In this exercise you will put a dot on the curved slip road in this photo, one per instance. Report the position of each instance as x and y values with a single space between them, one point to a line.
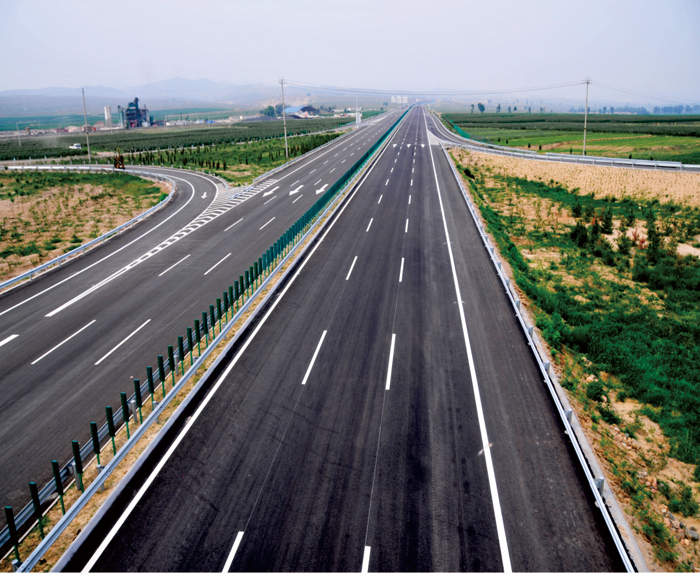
73 339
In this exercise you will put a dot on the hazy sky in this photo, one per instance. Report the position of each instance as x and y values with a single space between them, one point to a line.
649 46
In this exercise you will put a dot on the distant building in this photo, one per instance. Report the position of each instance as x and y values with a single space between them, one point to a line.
301 112
134 117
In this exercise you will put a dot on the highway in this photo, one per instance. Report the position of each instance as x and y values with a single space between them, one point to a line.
72 340
383 413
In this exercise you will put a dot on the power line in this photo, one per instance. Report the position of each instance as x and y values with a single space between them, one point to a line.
374 91
640 93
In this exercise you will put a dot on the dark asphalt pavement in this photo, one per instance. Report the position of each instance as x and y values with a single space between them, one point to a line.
108 335
365 424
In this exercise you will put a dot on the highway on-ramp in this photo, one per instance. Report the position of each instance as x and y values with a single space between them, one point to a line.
383 413
73 339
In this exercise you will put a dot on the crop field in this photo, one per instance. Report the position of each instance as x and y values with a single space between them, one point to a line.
237 163
43 215
608 264
675 138
159 138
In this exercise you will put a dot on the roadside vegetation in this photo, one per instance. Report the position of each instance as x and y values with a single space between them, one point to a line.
43 215
152 139
237 163
670 138
611 273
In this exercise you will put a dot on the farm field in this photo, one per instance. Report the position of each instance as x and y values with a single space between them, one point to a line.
607 261
43 215
675 138
159 138
237 163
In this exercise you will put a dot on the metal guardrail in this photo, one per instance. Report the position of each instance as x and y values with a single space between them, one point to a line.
595 485
82 248
27 513
566 158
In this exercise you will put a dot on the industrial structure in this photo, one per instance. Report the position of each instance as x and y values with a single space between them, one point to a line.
134 117
108 116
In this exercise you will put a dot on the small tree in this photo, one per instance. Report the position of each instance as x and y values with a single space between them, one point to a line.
482 107
472 108
608 221
498 109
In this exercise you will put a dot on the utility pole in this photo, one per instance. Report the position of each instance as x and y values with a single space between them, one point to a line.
18 134
585 116
86 126
284 121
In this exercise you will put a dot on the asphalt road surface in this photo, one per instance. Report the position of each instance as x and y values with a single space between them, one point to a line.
72 340
385 414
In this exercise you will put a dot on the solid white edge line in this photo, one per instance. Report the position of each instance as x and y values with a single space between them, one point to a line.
401 272
217 264
232 554
263 227
106 257
64 341
230 226
8 339
391 361
313 359
175 265
347 278
371 219
139 495
124 341
500 526
365 560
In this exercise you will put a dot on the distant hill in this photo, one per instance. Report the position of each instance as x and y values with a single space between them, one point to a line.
165 94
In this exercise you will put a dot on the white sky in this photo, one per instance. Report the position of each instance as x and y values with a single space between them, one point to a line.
650 46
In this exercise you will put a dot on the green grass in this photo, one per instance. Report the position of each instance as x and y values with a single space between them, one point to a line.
160 138
672 138
238 163
634 313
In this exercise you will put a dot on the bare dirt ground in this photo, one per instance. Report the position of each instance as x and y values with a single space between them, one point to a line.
682 188
42 226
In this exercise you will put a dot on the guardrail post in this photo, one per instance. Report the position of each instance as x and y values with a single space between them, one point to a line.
139 402
213 321
10 519
78 465
125 414
600 484
189 344
171 362
198 336
110 428
95 441
181 353
34 491
59 483
569 414
205 328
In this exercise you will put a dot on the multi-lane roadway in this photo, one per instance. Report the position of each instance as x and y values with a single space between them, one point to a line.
71 341
385 413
